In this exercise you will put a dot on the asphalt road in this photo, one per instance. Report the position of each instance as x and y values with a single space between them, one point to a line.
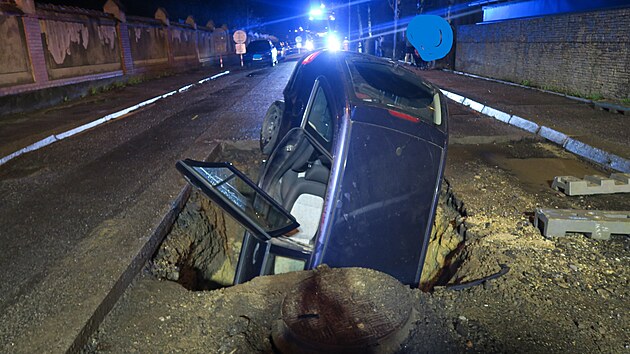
62 203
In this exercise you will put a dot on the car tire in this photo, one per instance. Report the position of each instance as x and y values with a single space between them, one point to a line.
271 127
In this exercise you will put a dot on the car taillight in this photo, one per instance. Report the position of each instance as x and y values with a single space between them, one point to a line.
403 116
310 57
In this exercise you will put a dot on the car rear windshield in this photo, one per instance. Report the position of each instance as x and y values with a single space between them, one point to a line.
258 46
393 87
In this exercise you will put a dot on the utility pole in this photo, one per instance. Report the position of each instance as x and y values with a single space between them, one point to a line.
349 21
395 28
369 14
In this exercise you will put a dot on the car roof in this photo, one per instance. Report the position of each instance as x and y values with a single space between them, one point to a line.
359 70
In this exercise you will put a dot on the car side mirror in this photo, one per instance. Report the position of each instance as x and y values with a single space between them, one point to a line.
437 109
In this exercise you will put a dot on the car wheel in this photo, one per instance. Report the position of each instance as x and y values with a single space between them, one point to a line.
271 127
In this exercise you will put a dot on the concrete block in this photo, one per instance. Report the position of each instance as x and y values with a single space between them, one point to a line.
473 104
524 124
553 135
621 177
495 113
569 185
598 225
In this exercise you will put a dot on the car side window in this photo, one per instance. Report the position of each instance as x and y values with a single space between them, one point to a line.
319 116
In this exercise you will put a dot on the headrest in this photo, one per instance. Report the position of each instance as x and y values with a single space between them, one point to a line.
302 155
318 173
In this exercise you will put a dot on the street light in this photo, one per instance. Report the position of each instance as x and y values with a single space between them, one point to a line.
317 12
332 42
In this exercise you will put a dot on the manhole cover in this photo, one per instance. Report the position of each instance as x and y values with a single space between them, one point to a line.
342 311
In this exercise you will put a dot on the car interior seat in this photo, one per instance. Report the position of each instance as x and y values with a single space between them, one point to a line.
302 190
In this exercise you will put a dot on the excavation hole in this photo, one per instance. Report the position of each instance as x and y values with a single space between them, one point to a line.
201 251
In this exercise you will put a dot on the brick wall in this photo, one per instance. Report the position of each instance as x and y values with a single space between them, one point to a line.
587 54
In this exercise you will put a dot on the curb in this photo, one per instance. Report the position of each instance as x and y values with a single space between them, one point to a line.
54 138
604 106
131 271
553 135
576 147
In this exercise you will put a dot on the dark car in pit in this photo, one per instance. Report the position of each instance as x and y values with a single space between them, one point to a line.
261 52
357 152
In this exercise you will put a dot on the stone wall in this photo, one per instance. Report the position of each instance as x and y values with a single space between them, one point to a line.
586 54
148 43
14 57
77 44
204 43
44 46
184 43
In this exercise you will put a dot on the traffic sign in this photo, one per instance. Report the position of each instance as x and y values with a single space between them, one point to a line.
240 48
240 37
298 39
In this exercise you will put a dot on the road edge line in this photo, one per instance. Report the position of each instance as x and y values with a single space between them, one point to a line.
56 137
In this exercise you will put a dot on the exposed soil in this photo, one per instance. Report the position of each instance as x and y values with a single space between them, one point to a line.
560 295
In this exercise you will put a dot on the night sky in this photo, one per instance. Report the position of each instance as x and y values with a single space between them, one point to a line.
275 16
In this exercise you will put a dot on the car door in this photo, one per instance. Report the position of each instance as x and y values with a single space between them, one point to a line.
259 207
239 196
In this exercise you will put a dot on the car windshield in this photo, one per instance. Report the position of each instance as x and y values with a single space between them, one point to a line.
258 46
393 87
